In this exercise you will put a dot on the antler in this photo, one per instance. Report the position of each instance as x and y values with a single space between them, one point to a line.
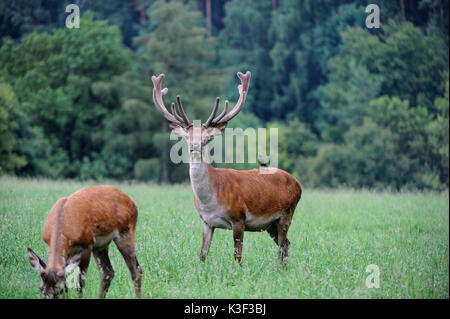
175 114
243 89
183 120
181 110
221 115
157 99
216 107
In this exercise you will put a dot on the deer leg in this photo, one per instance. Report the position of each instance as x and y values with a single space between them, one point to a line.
273 232
283 243
125 244
208 233
84 264
106 270
238 236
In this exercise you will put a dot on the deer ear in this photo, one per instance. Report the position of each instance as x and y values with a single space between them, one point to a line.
216 130
35 261
178 130
73 262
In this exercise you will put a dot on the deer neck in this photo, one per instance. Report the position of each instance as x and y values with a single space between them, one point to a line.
57 253
58 242
200 171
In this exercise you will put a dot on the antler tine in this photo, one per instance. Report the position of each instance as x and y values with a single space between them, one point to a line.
221 115
161 108
214 111
157 99
182 112
243 88
175 114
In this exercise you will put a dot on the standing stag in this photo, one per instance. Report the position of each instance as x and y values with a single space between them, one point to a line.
86 222
227 198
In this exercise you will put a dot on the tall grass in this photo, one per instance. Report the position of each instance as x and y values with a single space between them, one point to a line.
335 235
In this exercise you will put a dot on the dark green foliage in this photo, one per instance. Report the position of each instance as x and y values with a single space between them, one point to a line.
128 133
18 17
245 46
411 63
147 169
379 107
306 35
345 97
9 160
353 106
396 146
126 15
295 141
63 84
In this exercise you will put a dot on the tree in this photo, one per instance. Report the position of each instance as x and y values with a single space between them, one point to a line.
18 17
179 46
9 159
396 146
305 34
345 98
438 139
62 82
410 62
295 142
128 146
244 46
129 16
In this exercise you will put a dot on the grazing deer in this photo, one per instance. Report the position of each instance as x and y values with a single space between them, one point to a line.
85 222
227 198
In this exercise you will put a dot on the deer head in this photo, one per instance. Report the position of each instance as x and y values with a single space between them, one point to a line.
180 124
53 281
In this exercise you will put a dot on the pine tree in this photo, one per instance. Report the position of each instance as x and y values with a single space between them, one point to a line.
179 47
245 45
62 83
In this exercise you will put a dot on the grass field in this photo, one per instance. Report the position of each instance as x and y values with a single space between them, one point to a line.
334 236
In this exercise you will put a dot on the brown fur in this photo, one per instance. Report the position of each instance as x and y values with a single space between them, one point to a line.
73 222
263 195
96 210
242 191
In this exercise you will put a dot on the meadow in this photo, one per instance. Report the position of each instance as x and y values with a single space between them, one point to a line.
335 235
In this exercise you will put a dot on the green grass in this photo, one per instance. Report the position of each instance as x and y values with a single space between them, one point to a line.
335 235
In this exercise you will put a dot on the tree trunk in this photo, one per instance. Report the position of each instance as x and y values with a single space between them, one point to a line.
200 5
143 17
208 15
402 8
274 5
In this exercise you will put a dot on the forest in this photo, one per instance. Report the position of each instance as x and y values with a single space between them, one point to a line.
354 107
